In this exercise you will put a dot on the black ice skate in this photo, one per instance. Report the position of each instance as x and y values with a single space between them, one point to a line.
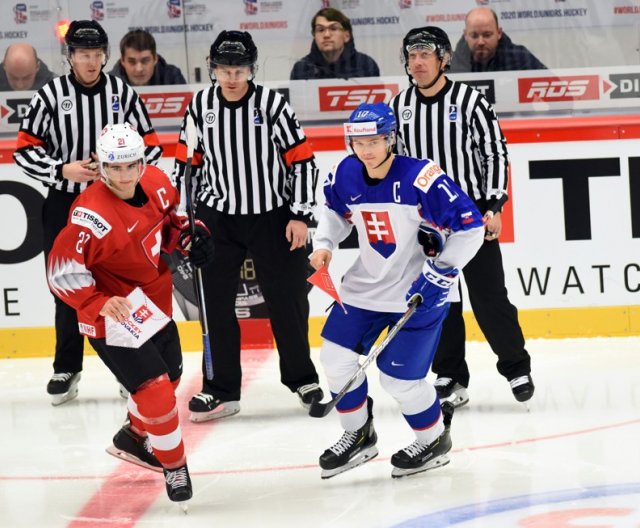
522 388
133 448
419 457
178 484
353 449
205 407
63 386
309 394
450 390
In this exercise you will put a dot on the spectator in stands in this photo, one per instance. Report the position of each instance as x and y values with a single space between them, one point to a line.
21 69
140 65
485 47
333 53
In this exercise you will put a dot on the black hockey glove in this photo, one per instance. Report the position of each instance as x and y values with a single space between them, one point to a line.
431 240
200 247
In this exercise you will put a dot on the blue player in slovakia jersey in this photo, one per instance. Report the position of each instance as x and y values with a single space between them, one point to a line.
399 206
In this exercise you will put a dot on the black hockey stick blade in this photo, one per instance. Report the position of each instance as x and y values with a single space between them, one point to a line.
320 410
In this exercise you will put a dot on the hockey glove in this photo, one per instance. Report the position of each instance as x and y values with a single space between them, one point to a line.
432 285
200 247
431 240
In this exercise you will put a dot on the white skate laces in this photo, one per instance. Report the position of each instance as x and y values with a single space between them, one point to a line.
345 443
516 382
147 446
204 397
415 448
177 478
307 388
62 376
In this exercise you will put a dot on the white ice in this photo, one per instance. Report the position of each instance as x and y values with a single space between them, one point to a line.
572 460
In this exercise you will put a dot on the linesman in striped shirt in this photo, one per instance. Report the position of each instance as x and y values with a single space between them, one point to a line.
254 177
56 146
454 125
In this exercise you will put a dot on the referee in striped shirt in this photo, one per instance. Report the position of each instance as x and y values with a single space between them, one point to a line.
56 146
455 126
254 177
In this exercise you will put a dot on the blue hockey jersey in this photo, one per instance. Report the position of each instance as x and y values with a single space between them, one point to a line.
387 214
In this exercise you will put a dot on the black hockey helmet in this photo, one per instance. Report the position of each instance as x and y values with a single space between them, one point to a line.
429 37
233 48
86 34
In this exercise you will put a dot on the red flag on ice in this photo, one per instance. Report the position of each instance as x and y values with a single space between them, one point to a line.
322 280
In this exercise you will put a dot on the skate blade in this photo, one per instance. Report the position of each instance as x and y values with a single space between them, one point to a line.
184 506
436 463
364 456
59 399
124 393
198 417
123 455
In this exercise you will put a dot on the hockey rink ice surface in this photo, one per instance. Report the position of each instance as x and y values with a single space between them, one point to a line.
573 460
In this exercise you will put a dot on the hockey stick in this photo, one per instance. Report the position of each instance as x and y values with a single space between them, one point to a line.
318 409
197 277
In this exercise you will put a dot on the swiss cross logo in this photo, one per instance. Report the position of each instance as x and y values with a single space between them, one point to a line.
550 89
379 232
340 98
166 104
152 243
141 314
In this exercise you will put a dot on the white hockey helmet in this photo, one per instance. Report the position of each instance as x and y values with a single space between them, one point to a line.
119 143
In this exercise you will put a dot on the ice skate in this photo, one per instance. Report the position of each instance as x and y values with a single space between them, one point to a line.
205 407
308 394
523 389
450 390
352 450
178 483
63 386
419 457
133 448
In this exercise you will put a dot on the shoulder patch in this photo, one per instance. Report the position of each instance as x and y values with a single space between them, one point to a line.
428 173
91 220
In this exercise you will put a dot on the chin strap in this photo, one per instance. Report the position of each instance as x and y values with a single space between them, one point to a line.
435 80
384 160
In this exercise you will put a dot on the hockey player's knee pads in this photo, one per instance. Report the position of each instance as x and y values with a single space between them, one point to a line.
156 399
338 362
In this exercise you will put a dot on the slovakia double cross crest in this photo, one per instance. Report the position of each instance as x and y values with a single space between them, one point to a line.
144 321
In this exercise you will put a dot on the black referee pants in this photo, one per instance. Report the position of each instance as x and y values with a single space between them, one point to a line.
496 316
69 342
281 275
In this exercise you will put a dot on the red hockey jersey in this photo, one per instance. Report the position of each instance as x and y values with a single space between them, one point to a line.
110 247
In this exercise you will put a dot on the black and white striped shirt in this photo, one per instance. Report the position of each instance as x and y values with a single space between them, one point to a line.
64 121
252 156
459 130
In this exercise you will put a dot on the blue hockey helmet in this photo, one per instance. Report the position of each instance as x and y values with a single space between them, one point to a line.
371 119
378 114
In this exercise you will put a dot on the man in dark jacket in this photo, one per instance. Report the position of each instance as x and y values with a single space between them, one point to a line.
21 69
140 65
485 47
333 53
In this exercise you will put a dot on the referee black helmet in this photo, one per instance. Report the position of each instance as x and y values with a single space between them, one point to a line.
87 34
429 37
233 48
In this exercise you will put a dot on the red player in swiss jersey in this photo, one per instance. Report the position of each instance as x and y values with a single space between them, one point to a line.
117 229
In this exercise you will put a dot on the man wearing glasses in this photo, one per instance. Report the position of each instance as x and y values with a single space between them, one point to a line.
333 53
57 146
